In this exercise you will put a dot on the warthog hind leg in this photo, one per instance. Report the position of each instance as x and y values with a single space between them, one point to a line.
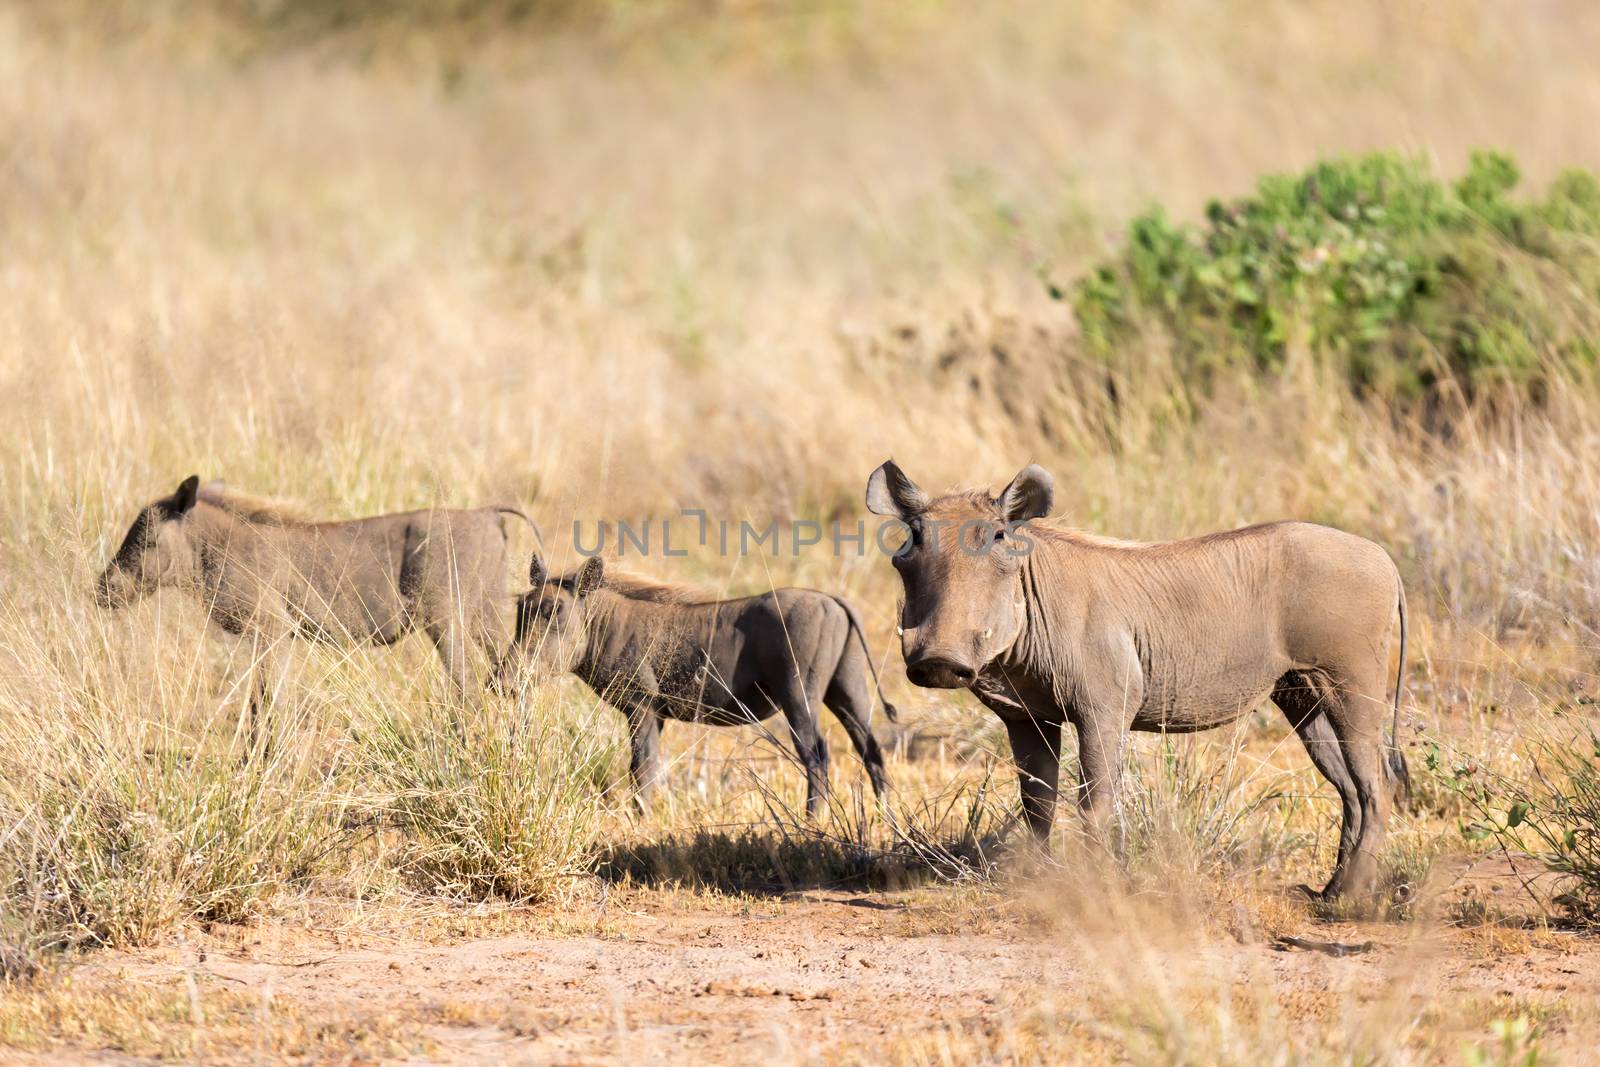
1357 721
1348 709
851 703
800 706
1301 699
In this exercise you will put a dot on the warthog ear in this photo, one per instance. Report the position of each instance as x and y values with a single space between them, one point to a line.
183 500
212 491
891 492
537 572
1029 496
589 576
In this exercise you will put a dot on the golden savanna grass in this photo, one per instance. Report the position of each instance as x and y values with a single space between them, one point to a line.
624 260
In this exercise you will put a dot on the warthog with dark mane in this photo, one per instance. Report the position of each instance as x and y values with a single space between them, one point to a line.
262 573
1048 626
654 653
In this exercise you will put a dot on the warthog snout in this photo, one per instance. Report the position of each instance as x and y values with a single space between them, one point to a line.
506 675
499 680
111 590
940 670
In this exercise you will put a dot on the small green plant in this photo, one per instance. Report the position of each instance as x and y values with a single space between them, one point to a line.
1515 1044
1393 280
1553 814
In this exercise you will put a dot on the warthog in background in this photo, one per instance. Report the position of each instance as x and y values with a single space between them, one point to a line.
654 655
1049 626
264 574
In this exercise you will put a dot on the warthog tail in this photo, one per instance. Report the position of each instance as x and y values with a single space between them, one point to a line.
537 536
1395 768
861 635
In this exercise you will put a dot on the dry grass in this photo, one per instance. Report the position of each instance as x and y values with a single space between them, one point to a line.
175 1022
728 264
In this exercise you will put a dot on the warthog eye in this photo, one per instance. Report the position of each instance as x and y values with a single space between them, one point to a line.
901 552
532 613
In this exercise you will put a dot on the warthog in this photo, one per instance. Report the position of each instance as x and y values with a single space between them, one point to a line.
1047 626
653 653
263 574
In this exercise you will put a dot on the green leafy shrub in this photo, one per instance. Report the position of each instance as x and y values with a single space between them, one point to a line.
1552 814
1391 278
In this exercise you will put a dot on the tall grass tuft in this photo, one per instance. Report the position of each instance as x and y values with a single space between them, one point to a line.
109 850
127 806
504 802
1193 806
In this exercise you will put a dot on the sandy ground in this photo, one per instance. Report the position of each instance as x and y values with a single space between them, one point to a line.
780 981
813 977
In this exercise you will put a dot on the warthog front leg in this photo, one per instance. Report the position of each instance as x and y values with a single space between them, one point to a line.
1036 746
1100 739
451 642
644 739
267 673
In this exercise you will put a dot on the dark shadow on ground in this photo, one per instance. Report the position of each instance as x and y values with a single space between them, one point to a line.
765 861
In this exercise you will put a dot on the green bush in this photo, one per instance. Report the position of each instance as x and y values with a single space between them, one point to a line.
1552 815
1385 275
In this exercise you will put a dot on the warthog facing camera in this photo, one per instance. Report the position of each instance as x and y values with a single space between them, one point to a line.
1048 626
